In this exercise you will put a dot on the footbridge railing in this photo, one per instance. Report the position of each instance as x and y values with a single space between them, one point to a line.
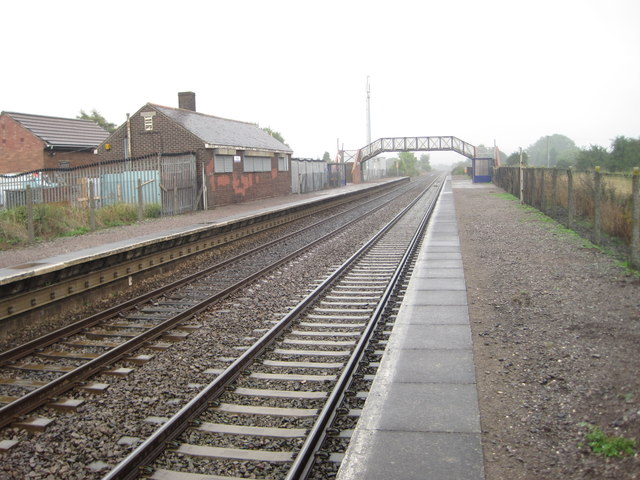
416 144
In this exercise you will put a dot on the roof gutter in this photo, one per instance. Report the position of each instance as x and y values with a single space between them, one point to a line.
246 149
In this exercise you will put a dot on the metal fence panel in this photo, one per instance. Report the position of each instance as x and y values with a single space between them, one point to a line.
169 181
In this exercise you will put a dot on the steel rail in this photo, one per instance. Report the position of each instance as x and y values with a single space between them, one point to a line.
76 327
30 300
304 460
153 446
41 395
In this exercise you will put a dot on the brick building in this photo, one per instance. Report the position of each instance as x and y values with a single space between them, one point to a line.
35 142
236 161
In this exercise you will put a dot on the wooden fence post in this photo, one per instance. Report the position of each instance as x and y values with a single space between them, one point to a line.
554 192
521 179
570 198
92 206
175 196
635 220
597 202
30 230
543 192
140 201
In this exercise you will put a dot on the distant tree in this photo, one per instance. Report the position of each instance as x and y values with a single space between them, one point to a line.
561 150
591 158
460 167
95 117
503 157
625 154
514 159
407 164
425 163
393 165
326 157
275 135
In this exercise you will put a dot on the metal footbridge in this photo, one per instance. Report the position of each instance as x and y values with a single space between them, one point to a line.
481 157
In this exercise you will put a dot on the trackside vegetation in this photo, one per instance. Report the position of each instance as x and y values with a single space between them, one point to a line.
51 221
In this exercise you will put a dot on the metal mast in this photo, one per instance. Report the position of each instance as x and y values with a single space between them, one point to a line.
368 112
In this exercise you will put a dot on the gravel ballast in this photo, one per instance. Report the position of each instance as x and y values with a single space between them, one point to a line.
556 332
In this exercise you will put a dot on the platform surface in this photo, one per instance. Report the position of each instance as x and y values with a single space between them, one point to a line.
421 419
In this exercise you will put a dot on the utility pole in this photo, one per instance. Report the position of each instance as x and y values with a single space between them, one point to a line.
368 112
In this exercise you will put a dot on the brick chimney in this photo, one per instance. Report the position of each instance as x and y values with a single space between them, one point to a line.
187 101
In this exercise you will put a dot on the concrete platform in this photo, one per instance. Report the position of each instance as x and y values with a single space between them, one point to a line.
421 419
40 263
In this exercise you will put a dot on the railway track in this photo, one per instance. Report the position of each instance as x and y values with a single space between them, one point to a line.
35 373
23 297
268 413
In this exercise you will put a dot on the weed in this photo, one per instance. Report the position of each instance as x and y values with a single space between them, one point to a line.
153 210
602 444
61 220
76 231
627 397
506 196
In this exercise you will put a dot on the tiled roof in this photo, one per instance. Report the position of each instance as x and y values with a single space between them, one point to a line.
221 132
62 132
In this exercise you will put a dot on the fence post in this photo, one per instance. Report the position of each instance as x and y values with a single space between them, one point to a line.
554 192
570 199
140 201
92 206
175 197
30 230
521 179
635 220
543 193
597 214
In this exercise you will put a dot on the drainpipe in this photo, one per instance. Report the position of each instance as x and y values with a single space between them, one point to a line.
130 154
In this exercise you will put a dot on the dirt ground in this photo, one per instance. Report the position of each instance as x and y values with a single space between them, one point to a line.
556 332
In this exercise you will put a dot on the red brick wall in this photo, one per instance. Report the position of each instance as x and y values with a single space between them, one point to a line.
167 137
20 150
69 159
240 186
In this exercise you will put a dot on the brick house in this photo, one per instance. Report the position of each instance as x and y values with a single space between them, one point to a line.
35 142
237 161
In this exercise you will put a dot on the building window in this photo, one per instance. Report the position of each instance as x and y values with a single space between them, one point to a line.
223 164
257 164
283 164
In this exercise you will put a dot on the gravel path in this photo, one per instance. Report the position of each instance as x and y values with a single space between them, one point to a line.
556 331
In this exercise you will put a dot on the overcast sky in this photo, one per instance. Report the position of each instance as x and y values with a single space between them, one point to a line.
505 71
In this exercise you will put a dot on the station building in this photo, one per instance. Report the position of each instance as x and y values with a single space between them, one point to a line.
235 161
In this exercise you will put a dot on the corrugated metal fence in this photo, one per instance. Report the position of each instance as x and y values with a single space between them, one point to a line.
312 175
168 181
